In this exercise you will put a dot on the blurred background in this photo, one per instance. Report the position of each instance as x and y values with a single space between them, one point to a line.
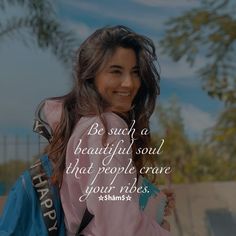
195 114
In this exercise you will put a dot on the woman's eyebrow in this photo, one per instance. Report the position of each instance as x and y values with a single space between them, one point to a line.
115 67
121 67
135 67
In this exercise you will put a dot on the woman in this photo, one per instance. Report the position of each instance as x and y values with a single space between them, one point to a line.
115 89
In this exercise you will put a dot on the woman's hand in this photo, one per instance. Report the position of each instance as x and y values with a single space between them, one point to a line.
170 201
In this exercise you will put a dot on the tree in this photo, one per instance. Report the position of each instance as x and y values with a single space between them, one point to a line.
191 161
223 134
38 23
177 147
210 28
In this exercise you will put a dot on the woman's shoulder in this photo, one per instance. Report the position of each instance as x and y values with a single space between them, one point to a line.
94 126
114 120
110 119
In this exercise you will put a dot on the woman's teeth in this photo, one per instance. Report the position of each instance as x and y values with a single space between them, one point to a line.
123 93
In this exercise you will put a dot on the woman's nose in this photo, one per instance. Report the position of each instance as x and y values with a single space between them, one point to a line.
127 81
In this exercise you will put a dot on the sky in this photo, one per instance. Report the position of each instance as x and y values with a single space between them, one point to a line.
28 74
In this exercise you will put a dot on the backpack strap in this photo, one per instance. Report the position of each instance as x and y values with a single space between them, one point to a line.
40 182
41 129
40 126
87 217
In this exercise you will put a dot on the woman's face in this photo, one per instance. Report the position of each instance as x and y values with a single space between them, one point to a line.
118 82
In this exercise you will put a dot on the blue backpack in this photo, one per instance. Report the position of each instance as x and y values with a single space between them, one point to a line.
33 207
28 208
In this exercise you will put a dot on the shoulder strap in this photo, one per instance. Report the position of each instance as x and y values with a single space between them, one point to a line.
40 182
41 185
87 217
41 129
40 125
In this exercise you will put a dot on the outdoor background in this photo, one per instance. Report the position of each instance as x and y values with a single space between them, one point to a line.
196 113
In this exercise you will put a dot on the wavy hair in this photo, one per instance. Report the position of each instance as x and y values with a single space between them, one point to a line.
84 99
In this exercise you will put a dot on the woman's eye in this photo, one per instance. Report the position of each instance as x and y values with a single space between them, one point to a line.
136 72
116 72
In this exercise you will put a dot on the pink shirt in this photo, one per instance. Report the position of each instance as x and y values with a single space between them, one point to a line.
111 218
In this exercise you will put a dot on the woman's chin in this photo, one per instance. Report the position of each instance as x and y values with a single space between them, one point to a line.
121 109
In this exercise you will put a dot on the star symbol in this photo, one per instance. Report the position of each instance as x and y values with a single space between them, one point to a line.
128 198
100 198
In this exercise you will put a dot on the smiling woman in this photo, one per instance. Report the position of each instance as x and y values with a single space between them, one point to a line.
97 129
116 84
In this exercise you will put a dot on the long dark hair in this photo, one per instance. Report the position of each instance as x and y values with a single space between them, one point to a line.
84 99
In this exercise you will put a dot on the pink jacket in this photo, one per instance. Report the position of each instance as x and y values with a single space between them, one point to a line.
112 218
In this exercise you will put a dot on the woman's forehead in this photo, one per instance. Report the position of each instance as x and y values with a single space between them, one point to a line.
122 57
